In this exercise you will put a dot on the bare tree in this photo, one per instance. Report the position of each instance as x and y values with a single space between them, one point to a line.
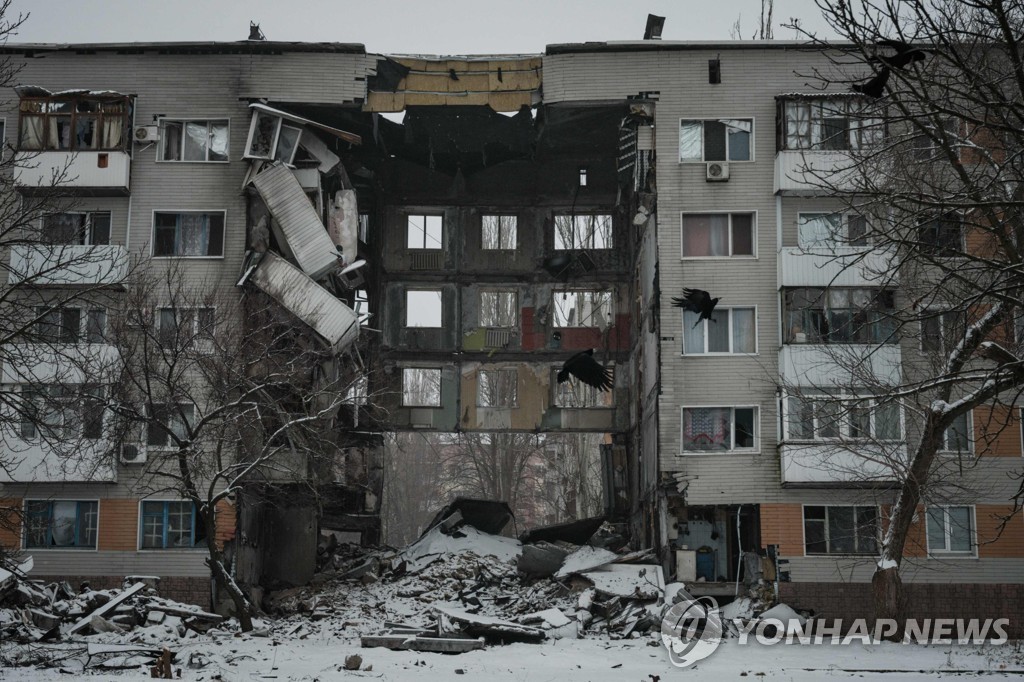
928 166
415 484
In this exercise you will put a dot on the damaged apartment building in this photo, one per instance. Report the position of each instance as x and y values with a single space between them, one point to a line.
475 221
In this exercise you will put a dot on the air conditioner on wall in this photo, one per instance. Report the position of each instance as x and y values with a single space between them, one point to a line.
132 453
718 171
147 133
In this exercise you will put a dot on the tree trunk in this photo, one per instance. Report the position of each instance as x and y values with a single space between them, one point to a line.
243 607
890 599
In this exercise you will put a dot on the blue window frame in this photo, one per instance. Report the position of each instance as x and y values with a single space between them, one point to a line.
169 525
67 524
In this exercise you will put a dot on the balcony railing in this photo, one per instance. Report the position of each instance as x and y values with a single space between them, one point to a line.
86 173
841 266
67 264
811 172
841 464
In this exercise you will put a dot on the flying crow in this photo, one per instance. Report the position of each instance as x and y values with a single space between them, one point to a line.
584 367
875 87
905 54
697 301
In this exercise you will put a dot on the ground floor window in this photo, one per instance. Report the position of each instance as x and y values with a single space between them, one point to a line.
166 525
840 530
61 523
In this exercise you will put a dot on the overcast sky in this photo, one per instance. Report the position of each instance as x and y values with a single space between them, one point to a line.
400 26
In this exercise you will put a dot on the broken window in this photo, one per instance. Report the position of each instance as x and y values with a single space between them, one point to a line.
68 524
839 315
718 235
262 142
85 122
576 394
421 387
498 232
193 140
169 424
583 232
424 231
829 124
724 139
499 309
731 330
840 530
170 524
181 325
950 530
575 308
423 308
92 227
497 388
827 230
719 429
188 234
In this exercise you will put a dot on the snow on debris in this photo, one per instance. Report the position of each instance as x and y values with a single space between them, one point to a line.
584 559
467 539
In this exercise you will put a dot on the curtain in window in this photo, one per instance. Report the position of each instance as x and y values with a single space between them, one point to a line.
691 140
113 129
706 428
706 235
960 528
738 132
193 234
693 337
32 132
218 141
743 330
718 332
63 523
63 228
196 140
798 125
818 229
172 141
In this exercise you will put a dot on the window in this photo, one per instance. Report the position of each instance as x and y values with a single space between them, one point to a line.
497 388
58 325
499 309
86 122
421 387
61 524
423 308
169 423
271 139
188 233
815 416
719 429
63 411
950 530
424 232
168 525
91 228
942 235
828 124
957 436
576 394
839 315
96 326
193 140
575 308
942 330
718 235
840 530
583 232
731 330
498 232
726 139
181 325
816 230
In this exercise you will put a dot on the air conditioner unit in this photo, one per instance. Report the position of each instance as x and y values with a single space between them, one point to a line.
132 453
147 133
718 171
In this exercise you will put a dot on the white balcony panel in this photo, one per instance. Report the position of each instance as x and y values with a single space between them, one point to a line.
841 266
299 294
839 365
61 264
830 464
80 363
99 173
811 172
76 461
297 222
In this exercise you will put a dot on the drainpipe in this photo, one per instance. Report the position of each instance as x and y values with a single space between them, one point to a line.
739 547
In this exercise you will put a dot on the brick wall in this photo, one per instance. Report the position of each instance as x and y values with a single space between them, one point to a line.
188 590
783 525
965 600
997 431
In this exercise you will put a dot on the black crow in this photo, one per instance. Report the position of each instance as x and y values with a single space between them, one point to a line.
905 54
875 87
697 301
584 367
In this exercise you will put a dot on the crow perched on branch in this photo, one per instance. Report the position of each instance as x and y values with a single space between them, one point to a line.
697 301
905 54
584 367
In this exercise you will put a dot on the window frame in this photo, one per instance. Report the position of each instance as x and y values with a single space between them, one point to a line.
830 243
729 230
703 121
440 380
87 235
732 449
944 448
705 326
936 248
501 227
162 145
590 397
408 307
499 291
825 312
61 400
816 110
179 212
826 553
409 216
945 553
78 510
154 417
576 291
941 316
514 372
576 244
165 516
126 116
842 418
198 330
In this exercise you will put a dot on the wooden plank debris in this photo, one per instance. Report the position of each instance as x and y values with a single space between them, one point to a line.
108 607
